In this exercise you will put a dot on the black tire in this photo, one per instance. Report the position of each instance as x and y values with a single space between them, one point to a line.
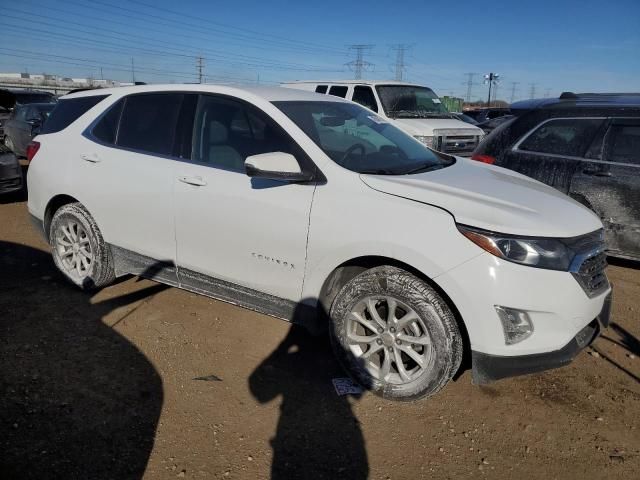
436 318
100 271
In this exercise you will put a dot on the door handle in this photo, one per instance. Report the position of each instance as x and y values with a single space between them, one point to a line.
197 181
596 173
90 157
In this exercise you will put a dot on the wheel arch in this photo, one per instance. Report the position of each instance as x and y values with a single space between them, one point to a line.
52 206
349 269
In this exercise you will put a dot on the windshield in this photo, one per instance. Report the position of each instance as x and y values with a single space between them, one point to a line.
24 98
360 140
406 101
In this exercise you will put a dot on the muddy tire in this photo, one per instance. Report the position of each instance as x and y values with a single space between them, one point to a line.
78 248
395 335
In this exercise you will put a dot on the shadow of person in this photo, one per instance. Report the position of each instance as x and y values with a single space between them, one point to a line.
317 436
78 399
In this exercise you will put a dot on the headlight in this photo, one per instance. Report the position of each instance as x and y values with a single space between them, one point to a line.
549 253
427 140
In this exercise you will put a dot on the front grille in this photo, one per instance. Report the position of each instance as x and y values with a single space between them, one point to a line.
462 145
590 263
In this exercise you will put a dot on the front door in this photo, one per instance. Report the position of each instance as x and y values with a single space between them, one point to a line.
552 153
611 186
232 229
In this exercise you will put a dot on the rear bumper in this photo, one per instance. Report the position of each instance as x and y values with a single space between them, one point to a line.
488 368
10 177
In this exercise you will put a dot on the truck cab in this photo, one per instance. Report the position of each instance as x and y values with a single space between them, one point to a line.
414 108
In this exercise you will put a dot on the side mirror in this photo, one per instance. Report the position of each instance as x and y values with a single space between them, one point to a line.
276 166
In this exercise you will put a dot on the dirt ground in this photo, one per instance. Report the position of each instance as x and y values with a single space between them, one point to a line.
145 381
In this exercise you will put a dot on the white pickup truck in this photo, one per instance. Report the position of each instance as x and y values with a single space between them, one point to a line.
413 108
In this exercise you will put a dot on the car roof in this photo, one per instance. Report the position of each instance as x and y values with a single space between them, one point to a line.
269 94
580 100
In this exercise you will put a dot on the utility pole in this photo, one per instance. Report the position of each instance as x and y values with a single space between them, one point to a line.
400 66
532 90
359 64
491 79
513 91
199 67
133 72
469 83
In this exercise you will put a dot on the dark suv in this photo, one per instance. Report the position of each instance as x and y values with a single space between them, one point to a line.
585 145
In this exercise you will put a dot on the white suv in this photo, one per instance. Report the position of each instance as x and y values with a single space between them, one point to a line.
312 208
413 108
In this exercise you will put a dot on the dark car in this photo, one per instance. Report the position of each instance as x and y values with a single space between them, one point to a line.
10 171
24 124
481 115
10 98
586 146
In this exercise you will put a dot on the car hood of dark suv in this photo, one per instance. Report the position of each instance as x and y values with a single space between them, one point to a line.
492 198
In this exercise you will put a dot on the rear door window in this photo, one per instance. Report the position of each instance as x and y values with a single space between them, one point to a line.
567 137
148 122
365 97
623 144
107 127
68 111
339 91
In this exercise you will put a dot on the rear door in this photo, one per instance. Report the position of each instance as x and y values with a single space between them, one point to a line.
610 185
553 151
125 173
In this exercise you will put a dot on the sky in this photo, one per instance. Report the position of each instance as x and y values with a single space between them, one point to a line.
544 47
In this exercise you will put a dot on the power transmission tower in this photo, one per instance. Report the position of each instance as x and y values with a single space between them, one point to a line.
359 64
133 72
495 92
532 90
491 79
199 67
400 66
513 91
469 83
547 92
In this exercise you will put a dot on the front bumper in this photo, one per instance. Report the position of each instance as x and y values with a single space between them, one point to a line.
488 368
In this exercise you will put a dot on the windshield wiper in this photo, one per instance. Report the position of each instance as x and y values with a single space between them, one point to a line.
380 171
423 168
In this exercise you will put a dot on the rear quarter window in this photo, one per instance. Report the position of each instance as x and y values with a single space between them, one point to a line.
68 111
567 136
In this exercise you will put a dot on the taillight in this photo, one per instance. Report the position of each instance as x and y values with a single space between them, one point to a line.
32 149
484 159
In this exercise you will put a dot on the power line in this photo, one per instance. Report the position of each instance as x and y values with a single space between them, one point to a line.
469 83
513 91
359 64
400 66
199 66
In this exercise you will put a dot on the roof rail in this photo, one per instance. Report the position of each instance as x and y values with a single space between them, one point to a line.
571 95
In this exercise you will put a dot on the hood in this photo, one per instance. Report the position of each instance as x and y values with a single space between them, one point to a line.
492 198
426 126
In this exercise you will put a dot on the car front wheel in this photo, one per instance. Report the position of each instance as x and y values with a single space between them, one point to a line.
395 335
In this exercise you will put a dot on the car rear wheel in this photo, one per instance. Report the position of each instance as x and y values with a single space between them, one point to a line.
78 249
395 335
